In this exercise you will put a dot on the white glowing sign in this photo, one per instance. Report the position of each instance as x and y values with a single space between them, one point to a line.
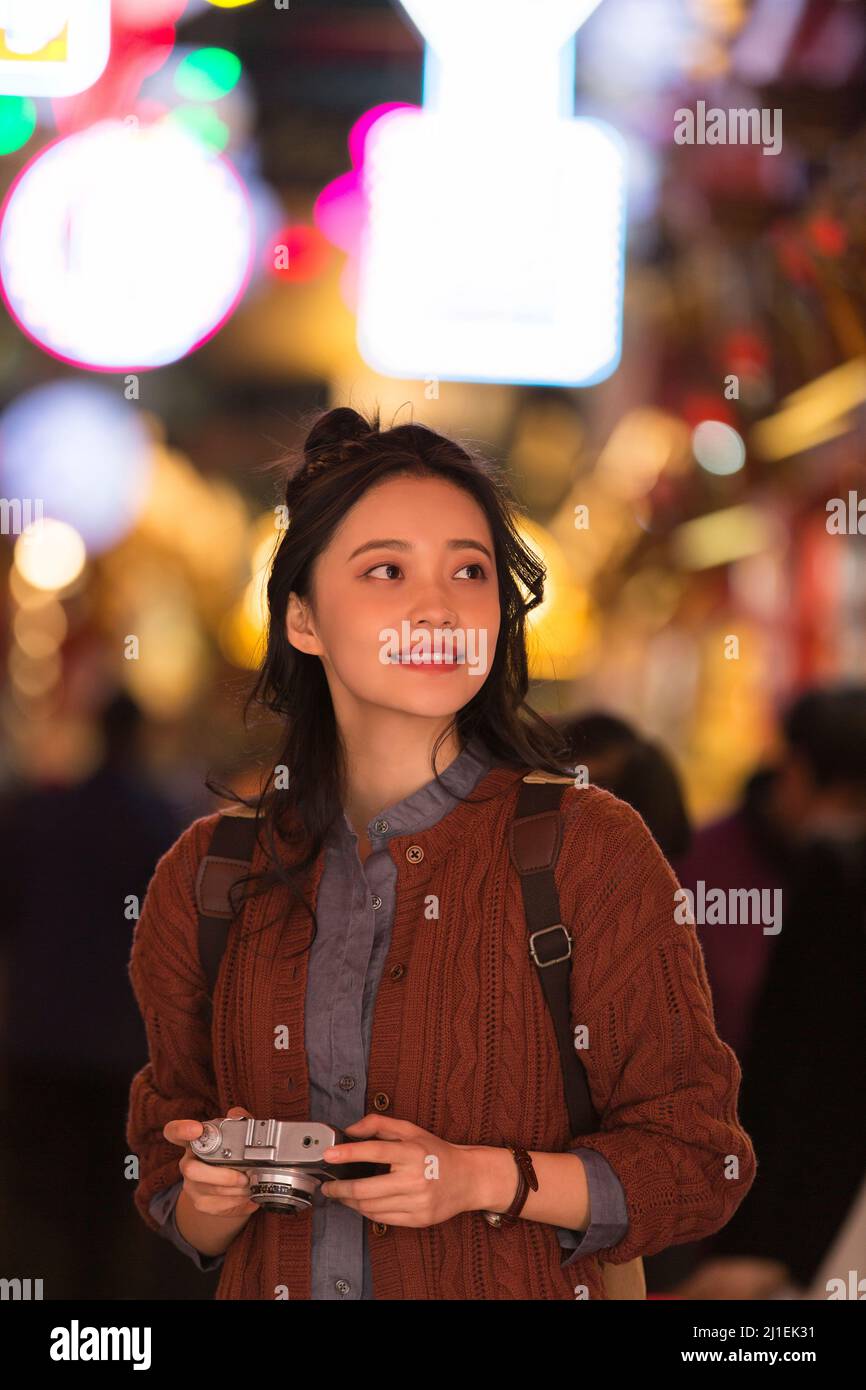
125 246
495 237
52 48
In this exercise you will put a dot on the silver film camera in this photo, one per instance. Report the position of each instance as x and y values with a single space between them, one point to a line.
282 1158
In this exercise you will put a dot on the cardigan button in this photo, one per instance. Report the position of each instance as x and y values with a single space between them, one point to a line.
381 1100
414 854
379 1227
397 972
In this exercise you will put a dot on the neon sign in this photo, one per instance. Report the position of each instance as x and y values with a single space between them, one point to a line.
494 241
54 48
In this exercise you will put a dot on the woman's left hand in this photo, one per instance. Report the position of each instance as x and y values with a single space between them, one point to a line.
430 1179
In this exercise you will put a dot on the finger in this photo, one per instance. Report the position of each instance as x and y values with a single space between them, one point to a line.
384 1127
388 1217
226 1198
212 1175
364 1151
388 1184
182 1131
230 1196
218 1206
375 1210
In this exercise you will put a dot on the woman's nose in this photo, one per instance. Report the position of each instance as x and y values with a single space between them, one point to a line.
434 614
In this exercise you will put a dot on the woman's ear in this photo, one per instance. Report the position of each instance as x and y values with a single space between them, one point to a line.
300 628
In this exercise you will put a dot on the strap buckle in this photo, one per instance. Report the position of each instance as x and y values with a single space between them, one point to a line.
558 926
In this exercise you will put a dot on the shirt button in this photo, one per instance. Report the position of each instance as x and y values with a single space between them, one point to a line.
414 854
377 902
342 1286
381 1100
380 826
397 972
379 1227
346 1083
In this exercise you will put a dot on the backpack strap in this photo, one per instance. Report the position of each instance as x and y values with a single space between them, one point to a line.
535 837
228 859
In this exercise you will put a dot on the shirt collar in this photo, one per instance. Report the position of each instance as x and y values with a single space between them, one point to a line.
426 806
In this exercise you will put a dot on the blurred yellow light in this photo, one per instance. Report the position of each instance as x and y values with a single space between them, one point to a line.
172 666
255 599
721 537
640 446
24 594
562 631
50 554
243 631
213 536
39 630
33 677
814 413
241 637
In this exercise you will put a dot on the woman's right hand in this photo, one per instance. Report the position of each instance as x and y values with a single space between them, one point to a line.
212 1190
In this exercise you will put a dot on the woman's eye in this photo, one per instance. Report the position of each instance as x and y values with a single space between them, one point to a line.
387 565
391 565
474 565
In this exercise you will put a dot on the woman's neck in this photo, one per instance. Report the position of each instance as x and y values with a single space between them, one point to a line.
376 782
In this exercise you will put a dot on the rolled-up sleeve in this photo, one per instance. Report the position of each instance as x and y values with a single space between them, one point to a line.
608 1222
162 1209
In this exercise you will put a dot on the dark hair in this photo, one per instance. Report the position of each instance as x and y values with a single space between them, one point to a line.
343 456
827 728
637 771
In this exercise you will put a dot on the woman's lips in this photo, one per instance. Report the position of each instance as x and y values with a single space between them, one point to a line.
429 666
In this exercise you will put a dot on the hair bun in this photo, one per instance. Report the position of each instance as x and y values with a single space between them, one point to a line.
341 425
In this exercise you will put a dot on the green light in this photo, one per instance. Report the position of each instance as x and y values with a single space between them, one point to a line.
204 124
207 74
17 122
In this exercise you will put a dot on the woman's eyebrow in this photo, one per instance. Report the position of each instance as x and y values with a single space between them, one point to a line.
391 544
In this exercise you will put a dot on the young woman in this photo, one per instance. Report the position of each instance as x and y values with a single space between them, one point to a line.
378 976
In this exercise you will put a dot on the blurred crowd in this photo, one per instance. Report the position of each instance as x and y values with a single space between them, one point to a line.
787 986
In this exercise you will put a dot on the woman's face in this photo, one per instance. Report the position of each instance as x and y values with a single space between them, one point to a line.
411 563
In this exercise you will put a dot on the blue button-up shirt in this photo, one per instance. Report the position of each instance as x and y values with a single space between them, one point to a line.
354 913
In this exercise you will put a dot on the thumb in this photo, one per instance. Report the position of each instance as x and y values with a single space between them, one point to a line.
366 1124
238 1112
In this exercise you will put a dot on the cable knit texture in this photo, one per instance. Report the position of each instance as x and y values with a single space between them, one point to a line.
462 1045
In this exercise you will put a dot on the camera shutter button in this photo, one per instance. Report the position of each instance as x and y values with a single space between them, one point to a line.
209 1140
